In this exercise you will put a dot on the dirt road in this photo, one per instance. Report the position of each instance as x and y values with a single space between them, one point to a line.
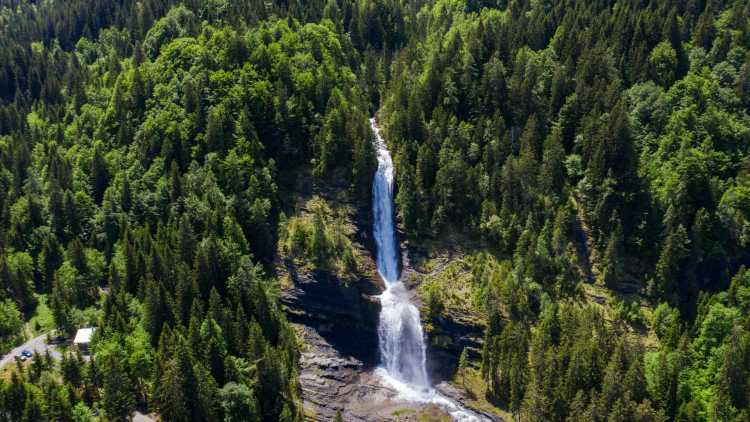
35 345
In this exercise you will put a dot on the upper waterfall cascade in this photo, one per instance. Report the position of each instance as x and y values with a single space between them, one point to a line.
400 335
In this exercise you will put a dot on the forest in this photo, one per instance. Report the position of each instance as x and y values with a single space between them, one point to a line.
150 152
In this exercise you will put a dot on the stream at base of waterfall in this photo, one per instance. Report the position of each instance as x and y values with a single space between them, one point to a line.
400 336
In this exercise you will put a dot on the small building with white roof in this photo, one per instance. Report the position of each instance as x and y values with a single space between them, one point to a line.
83 338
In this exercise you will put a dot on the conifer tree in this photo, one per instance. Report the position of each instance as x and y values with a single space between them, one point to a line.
613 270
99 175
463 366
117 397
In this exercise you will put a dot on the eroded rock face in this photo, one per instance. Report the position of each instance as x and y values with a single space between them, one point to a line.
345 316
446 341
334 383
327 378
337 325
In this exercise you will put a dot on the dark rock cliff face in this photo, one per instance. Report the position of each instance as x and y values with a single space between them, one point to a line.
345 316
337 325
445 343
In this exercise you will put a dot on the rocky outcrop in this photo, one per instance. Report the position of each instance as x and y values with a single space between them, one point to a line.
327 378
337 324
334 383
344 315
449 333
445 342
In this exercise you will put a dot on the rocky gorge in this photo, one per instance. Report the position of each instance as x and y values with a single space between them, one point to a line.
337 324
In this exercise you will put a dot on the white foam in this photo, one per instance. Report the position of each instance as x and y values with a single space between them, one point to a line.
426 395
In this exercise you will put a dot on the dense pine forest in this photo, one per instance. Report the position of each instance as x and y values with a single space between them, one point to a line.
591 160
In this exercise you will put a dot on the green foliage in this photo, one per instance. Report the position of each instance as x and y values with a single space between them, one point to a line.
178 22
630 312
463 365
320 238
145 195
663 61
613 270
117 398
739 290
147 149
82 413
671 262
665 322
10 324
238 403
17 272
734 209
580 150
434 300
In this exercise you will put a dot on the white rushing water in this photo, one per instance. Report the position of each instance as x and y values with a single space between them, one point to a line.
400 336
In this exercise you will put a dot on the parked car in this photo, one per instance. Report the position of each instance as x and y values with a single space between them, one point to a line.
24 355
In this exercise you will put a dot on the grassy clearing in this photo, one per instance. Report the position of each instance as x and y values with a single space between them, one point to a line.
631 309
403 412
476 390
42 321
433 414
7 370
450 288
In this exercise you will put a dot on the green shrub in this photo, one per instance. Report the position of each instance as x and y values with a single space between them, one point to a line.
319 239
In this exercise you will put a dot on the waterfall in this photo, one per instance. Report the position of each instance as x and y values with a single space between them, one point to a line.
401 340
400 336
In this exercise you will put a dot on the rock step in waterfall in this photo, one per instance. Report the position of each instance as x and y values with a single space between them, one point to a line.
400 335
